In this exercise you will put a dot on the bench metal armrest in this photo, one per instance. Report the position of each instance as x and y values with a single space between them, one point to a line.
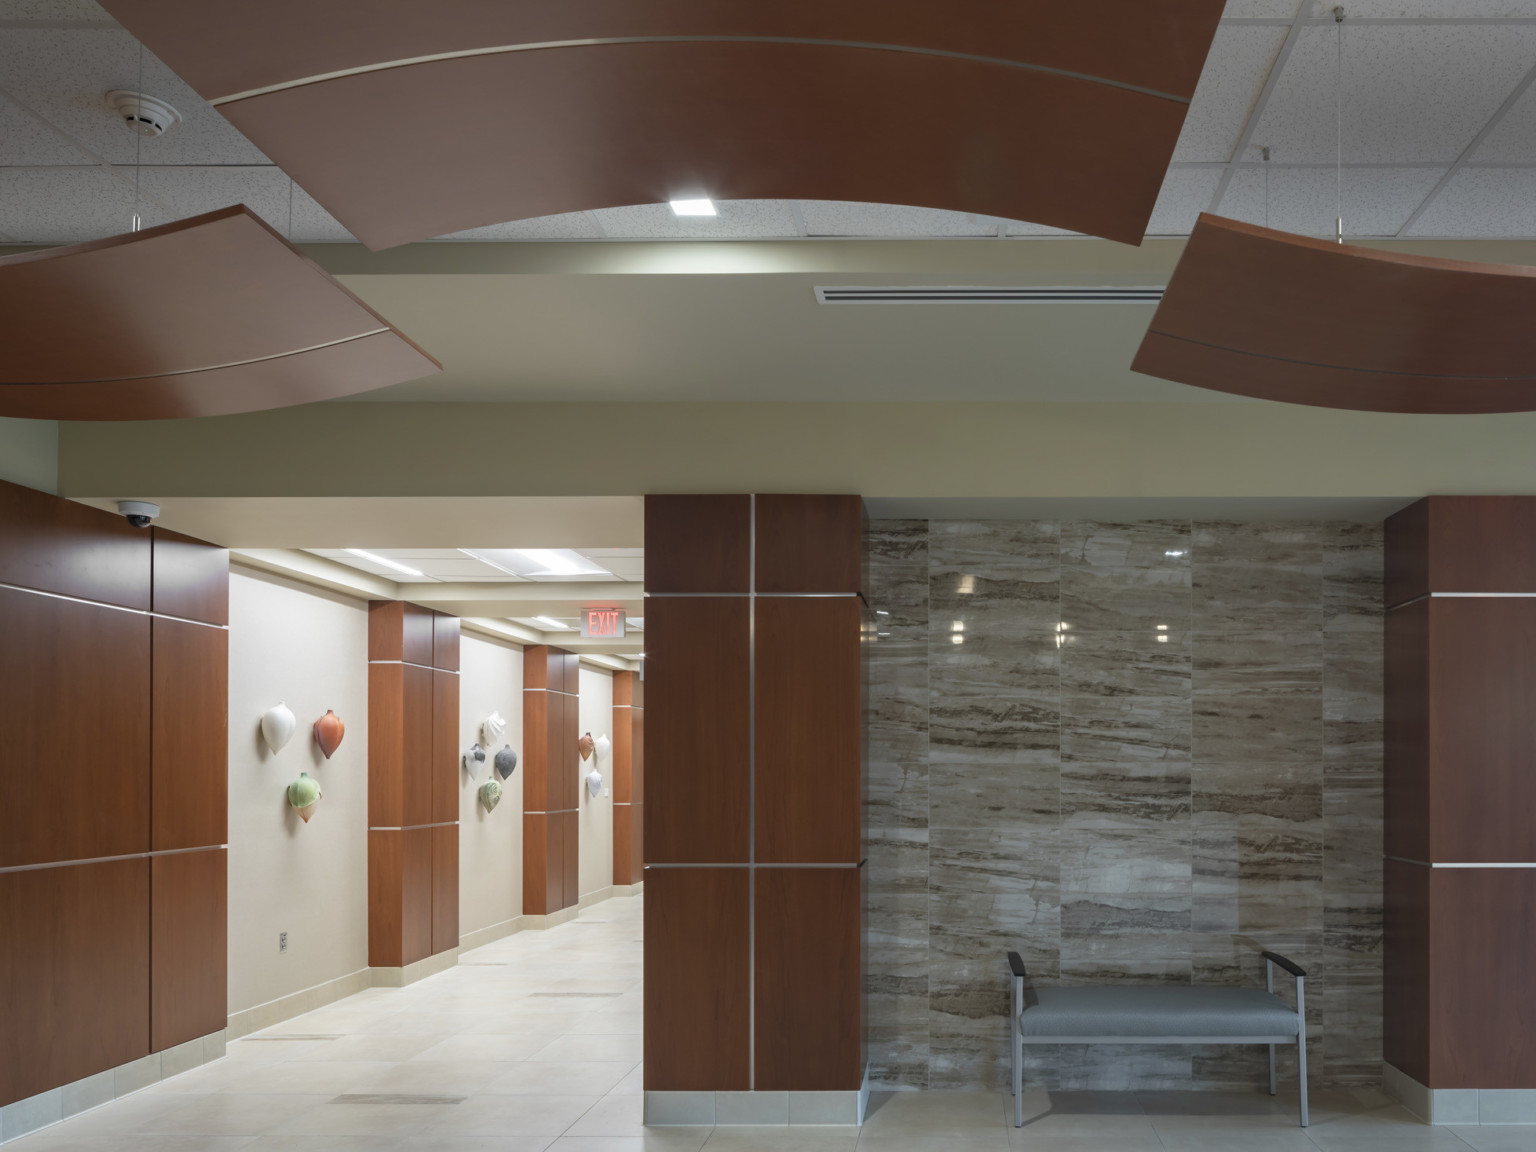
1290 966
1016 963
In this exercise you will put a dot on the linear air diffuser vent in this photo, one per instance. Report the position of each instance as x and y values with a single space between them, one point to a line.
993 295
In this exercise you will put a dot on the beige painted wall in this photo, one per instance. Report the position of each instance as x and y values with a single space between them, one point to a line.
490 843
309 648
29 453
596 867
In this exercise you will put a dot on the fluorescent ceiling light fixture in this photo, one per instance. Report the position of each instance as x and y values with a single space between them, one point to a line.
701 207
554 625
538 561
384 560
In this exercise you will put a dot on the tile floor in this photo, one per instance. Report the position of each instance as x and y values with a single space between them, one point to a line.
532 1044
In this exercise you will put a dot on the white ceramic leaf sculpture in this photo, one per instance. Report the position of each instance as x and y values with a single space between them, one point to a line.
474 760
604 746
491 729
277 725
594 782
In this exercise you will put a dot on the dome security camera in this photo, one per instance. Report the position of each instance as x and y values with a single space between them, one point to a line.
138 512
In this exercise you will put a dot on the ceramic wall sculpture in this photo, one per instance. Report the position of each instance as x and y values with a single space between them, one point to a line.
328 733
277 725
585 745
604 746
491 729
473 760
304 793
490 794
594 782
506 761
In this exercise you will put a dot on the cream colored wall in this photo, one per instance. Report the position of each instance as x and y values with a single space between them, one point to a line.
29 453
288 642
490 843
596 711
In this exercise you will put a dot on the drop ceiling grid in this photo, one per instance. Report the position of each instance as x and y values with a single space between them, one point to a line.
1422 79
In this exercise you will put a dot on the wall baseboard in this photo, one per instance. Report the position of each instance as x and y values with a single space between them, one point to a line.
628 889
46 1108
491 933
410 973
1459 1105
596 896
249 1020
565 915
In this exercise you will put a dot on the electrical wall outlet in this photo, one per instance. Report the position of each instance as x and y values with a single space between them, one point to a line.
282 941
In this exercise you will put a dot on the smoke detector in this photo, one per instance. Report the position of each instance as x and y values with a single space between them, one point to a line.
143 113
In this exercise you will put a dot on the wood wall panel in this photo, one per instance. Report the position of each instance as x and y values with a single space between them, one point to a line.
697 993
570 848
386 744
697 544
1406 731
535 863
444 766
1483 1015
1482 729
1407 553
59 546
416 746
445 888
637 843
386 630
697 670
74 973
75 679
1405 964
1462 544
810 543
623 837
415 894
191 578
535 762
190 735
808 730
445 642
554 868
385 875
416 634
189 933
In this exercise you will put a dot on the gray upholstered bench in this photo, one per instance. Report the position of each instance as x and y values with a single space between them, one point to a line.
1158 1015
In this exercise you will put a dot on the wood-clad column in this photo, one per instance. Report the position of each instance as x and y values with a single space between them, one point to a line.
753 813
628 777
551 687
114 662
1460 874
413 828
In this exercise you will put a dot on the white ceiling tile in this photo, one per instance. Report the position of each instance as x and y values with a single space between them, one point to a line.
1483 202
63 206
1025 228
65 74
266 191
1260 9
1376 201
1186 193
24 141
848 218
1234 73
600 553
736 219
1513 139
38 10
565 226
1433 9
1412 93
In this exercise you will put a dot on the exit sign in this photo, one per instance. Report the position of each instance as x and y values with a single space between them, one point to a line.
602 623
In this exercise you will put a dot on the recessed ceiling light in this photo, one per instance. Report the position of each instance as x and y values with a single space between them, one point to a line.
535 562
553 625
700 207
384 560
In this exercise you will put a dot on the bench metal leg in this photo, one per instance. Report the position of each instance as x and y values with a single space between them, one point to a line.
1271 1069
1016 1053
1301 1046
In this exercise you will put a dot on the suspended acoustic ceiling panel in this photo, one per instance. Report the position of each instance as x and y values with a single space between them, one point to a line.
1271 315
409 120
210 315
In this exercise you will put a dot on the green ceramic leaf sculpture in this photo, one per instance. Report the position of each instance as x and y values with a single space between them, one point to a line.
490 794
304 794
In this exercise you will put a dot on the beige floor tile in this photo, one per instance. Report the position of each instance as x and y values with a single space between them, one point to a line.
948 1111
935 1140
782 1138
512 1116
675 1140
613 1116
501 1048
607 1023
1515 1138
534 1077
391 1048
226 1114
348 1118
433 1077
617 1049
1425 1139
631 1085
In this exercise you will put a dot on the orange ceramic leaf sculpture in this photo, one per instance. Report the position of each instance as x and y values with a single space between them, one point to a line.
328 733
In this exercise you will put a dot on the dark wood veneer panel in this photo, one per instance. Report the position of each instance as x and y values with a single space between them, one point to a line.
445 642
190 744
697 544
415 894
535 863
570 847
1482 729
697 662
1406 712
1482 938
623 840
445 888
1405 963
554 862
416 634
74 973
416 747
191 578
385 926
386 745
810 543
535 667
59 546
386 630
445 746
535 761
189 933
808 1000
569 767
808 725
697 991
1482 544
1407 554
75 679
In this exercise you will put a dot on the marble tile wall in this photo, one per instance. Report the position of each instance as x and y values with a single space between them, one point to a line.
1131 752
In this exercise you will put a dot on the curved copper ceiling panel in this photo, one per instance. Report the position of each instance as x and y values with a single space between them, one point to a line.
1271 315
207 316
410 120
